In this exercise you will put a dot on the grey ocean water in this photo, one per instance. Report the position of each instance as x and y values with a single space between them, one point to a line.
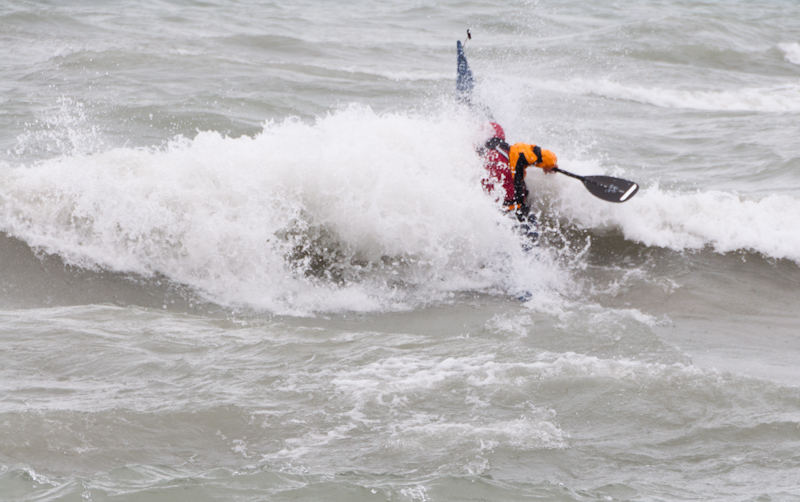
245 254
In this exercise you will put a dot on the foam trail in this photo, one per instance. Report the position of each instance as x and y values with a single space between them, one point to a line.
357 211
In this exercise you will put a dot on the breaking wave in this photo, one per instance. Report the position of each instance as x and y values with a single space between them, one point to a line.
356 211
718 220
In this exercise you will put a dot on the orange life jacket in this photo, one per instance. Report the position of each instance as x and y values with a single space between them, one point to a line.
530 154
520 156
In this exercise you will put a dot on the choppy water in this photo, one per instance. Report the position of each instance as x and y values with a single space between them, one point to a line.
245 254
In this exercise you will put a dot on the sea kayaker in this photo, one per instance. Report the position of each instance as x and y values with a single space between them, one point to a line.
507 166
495 158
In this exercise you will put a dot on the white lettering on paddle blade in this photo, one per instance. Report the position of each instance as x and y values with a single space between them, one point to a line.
629 192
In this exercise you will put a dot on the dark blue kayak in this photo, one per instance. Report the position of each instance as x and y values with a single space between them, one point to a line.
465 82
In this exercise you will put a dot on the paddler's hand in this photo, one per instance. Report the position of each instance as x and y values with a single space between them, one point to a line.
548 160
549 170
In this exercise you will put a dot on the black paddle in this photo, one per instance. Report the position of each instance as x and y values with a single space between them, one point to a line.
606 187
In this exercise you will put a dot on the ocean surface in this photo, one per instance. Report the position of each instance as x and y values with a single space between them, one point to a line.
245 254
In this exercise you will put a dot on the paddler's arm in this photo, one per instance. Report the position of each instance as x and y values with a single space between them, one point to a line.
518 163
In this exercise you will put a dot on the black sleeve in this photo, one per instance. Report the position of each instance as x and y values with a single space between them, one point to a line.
519 179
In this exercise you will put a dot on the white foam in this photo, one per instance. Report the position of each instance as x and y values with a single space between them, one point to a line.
791 52
517 325
398 197
779 98
523 433
404 375
400 382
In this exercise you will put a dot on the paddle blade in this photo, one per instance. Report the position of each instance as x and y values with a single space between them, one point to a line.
610 189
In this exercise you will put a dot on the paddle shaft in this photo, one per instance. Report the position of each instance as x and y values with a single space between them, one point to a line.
578 177
557 170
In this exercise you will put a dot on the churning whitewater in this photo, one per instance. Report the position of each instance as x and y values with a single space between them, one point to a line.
246 253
